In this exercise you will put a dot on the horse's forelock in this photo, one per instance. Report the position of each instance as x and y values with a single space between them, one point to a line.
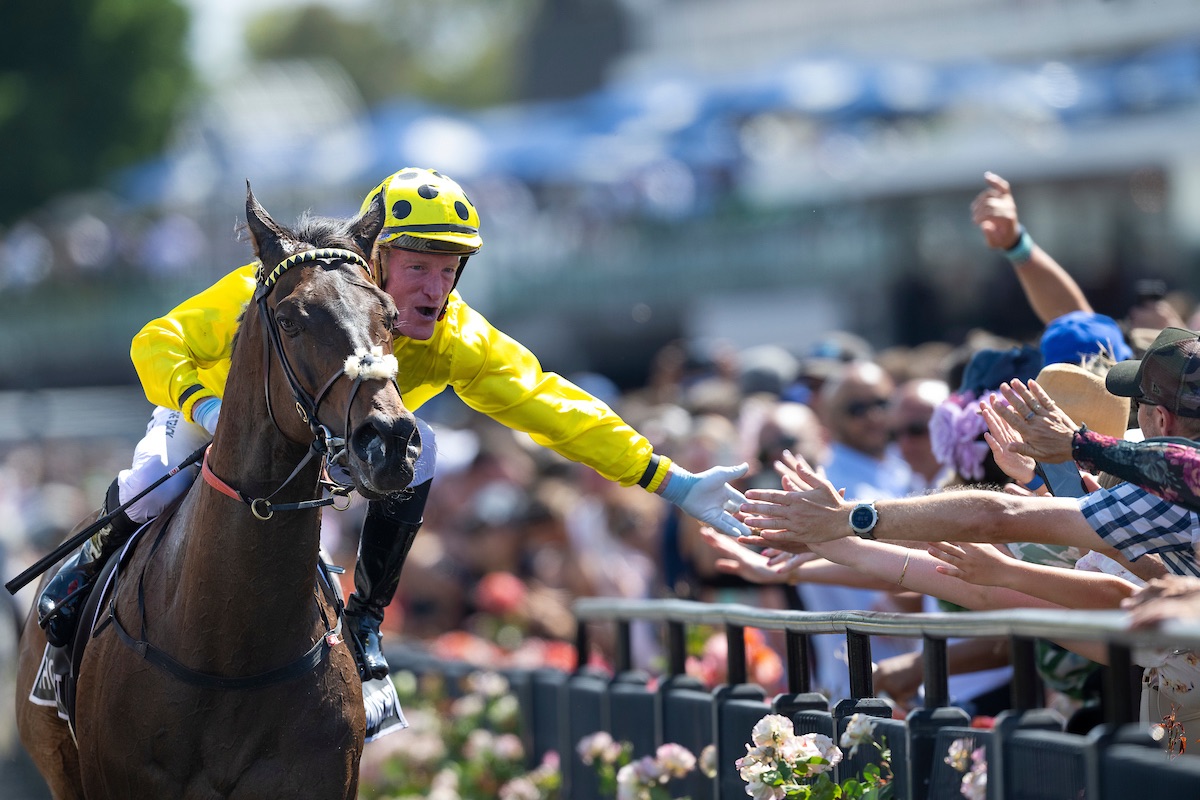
323 232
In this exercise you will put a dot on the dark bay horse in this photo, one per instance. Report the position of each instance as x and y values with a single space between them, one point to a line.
238 685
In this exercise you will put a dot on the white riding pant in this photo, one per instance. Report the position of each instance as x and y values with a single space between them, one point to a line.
170 439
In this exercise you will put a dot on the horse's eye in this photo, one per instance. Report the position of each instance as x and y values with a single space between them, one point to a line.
288 325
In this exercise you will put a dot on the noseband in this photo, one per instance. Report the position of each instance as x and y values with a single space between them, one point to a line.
361 366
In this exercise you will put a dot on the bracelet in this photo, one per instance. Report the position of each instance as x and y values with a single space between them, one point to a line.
904 569
1022 251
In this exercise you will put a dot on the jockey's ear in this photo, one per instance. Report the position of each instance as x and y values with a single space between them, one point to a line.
265 231
365 230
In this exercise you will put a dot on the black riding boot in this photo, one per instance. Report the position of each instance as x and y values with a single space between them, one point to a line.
59 603
387 536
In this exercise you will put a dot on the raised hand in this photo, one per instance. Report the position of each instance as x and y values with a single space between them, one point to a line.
999 436
995 212
1045 429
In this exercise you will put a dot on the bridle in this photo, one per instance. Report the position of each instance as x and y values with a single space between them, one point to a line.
364 364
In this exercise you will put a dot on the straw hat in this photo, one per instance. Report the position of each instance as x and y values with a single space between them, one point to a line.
1081 394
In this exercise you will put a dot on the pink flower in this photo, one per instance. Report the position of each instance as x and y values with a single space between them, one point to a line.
956 435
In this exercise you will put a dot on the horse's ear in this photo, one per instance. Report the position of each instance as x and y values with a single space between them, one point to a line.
265 231
365 230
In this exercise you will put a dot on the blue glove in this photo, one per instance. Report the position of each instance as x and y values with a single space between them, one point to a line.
708 496
206 412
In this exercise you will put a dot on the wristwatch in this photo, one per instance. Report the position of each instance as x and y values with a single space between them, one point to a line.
863 519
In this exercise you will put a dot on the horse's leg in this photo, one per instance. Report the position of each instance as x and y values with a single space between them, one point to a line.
46 738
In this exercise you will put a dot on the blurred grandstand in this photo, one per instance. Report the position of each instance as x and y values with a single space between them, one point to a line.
740 166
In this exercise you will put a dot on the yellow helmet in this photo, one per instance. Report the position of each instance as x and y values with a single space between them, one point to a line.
427 212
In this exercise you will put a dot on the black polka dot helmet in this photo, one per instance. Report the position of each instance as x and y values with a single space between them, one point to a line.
427 212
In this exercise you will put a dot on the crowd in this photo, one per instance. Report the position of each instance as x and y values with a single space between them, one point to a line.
514 531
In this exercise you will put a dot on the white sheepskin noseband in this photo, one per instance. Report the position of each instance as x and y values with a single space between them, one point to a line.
372 365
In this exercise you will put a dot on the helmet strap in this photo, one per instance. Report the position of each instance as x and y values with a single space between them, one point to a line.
462 262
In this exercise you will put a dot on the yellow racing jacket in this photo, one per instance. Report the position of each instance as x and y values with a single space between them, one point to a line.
183 357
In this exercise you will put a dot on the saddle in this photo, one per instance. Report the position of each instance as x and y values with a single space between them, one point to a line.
58 674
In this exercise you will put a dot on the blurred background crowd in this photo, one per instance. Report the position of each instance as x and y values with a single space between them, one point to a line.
699 211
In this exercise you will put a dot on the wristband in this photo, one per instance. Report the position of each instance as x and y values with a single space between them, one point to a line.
1022 251
1036 483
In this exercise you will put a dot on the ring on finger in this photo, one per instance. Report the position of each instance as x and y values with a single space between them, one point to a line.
1030 415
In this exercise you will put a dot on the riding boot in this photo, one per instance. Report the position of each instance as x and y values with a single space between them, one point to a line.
59 603
382 548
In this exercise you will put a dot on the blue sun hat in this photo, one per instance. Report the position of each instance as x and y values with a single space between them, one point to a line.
1078 335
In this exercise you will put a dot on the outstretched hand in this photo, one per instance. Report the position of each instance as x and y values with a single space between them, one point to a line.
981 564
1163 599
995 212
708 497
749 565
1044 429
809 509
999 436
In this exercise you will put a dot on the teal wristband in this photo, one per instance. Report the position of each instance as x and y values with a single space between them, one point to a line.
1022 251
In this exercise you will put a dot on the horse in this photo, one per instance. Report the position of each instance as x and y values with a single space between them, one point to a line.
218 669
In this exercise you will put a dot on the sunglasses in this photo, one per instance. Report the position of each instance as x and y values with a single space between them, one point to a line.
913 429
860 408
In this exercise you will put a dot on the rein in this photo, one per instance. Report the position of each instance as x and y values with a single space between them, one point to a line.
358 367
324 443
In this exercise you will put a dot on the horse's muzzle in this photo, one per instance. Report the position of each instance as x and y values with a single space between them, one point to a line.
383 453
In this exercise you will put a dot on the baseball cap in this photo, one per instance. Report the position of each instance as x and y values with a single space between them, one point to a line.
1168 375
1074 336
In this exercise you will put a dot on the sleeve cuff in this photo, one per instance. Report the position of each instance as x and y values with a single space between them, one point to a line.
655 474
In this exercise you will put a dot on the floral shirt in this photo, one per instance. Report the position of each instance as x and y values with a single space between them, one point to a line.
1170 468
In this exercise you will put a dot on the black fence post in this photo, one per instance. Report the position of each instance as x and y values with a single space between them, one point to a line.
858 654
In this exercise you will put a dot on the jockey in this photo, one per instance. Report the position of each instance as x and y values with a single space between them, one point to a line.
431 229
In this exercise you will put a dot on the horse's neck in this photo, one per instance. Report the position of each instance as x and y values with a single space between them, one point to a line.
268 565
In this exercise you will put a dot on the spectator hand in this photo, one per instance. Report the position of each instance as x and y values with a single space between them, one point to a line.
812 511
980 564
1163 599
1044 429
995 212
708 497
999 436
747 564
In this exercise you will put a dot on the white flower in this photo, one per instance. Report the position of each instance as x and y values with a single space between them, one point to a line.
508 747
772 730
594 746
469 705
675 759
974 783
488 684
445 779
958 755
762 791
504 711
480 744
520 789
708 761
810 745
860 729
630 783
752 770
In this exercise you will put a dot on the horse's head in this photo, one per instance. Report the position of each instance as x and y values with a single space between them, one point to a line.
327 346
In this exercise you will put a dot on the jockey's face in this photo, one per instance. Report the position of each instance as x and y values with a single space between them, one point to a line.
420 284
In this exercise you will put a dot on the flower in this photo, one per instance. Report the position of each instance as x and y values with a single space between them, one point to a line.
779 765
677 761
860 729
708 761
772 730
956 435
974 780
595 746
